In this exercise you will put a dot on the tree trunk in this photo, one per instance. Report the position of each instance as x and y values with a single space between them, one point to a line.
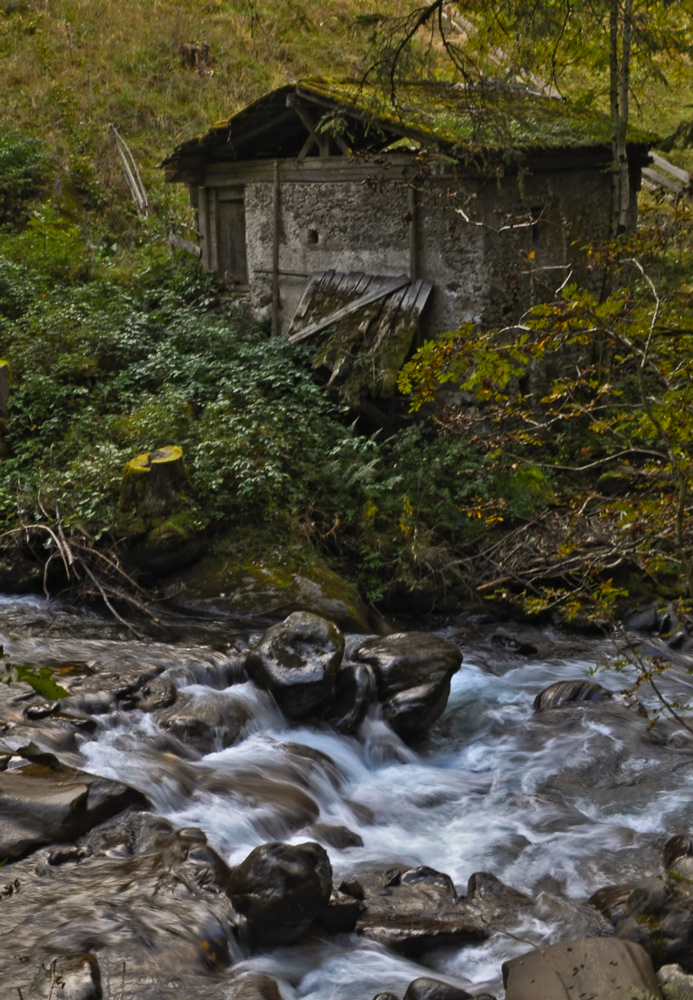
620 31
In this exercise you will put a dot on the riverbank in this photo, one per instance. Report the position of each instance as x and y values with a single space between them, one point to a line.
555 804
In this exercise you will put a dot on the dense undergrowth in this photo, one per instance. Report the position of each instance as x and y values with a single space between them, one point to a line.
115 352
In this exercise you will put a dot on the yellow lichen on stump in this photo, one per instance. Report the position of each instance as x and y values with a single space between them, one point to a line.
152 484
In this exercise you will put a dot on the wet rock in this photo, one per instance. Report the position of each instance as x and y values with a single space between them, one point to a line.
495 901
611 900
280 889
674 982
355 690
40 804
339 837
677 847
594 967
279 807
153 695
341 914
79 978
297 662
207 723
412 673
140 892
253 986
659 916
413 909
434 989
386 996
564 694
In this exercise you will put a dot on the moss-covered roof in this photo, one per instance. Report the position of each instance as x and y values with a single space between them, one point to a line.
496 119
490 116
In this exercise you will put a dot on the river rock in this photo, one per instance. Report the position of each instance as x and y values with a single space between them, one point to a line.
206 722
679 846
564 694
79 978
297 662
425 988
611 900
253 986
355 690
659 916
339 837
148 900
413 909
674 982
412 674
341 913
280 889
603 968
41 804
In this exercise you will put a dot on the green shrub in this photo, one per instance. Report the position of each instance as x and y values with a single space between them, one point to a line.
23 174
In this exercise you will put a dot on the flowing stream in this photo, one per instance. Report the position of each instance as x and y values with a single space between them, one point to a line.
556 805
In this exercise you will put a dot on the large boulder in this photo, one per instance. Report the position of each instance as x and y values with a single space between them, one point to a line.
658 915
280 889
40 804
603 968
297 662
412 674
414 909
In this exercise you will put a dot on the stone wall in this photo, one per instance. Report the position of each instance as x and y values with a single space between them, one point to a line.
481 273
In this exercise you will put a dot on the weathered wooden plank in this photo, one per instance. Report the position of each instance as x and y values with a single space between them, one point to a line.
422 296
389 288
182 244
661 180
312 307
312 283
669 168
391 308
203 225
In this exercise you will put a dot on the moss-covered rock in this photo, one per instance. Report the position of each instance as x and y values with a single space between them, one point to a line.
256 577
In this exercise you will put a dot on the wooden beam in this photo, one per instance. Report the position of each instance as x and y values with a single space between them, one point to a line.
182 244
276 213
413 234
203 222
394 285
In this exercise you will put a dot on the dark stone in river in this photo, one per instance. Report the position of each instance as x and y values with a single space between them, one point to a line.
412 674
658 915
207 722
564 694
339 837
297 662
677 847
611 900
41 804
603 968
280 889
433 989
410 910
341 913
355 690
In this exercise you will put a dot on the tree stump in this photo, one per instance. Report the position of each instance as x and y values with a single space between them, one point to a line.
152 484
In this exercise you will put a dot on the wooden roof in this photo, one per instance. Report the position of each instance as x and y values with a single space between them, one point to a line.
463 122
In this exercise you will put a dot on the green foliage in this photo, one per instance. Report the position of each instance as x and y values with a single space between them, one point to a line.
23 173
594 392
41 679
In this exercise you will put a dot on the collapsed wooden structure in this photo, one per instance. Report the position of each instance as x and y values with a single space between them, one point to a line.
472 202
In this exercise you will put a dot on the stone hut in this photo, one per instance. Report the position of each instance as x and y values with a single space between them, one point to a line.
333 207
